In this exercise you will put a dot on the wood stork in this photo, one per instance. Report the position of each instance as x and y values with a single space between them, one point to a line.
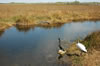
61 51
81 47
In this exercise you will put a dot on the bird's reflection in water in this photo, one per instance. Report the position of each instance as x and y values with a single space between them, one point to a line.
60 56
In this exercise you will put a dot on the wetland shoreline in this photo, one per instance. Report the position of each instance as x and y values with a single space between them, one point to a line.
46 14
91 58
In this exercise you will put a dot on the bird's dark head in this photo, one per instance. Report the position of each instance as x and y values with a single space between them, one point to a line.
59 39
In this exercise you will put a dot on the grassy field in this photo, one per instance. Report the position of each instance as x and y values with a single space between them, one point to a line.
92 57
47 13
50 15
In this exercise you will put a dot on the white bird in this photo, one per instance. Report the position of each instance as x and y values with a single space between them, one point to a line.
81 47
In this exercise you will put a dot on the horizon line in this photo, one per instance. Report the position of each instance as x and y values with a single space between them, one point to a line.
50 2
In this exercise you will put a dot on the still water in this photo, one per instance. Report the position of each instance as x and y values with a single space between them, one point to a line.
37 46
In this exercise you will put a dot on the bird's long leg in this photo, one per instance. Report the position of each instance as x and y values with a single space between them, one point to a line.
81 53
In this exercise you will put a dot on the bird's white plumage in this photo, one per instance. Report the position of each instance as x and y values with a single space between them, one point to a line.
61 52
81 47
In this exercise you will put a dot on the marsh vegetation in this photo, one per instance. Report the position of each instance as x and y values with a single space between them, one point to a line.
91 58
47 13
44 22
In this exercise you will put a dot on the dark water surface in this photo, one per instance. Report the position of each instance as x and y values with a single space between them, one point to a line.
37 46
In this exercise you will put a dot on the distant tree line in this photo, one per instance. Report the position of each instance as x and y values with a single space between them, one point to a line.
78 2
70 3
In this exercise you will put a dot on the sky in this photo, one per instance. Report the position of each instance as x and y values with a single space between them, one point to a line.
34 1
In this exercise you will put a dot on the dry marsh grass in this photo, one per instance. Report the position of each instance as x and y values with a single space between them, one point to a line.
53 13
4 26
46 14
92 57
92 41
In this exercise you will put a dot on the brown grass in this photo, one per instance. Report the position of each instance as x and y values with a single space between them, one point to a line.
53 13
92 57
92 41
46 14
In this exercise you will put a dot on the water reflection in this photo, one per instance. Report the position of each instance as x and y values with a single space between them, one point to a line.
38 47
50 26
24 28
73 31
1 33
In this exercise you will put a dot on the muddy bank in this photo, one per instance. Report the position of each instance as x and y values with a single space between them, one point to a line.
24 22
25 25
47 24
92 57
4 26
